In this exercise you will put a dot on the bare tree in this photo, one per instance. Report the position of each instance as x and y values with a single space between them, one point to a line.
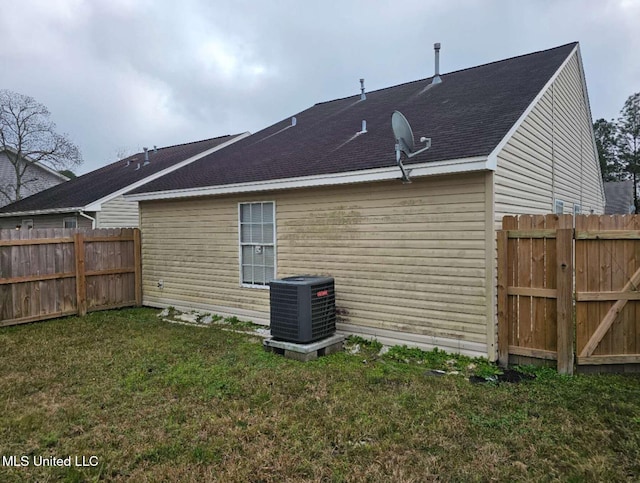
123 152
28 136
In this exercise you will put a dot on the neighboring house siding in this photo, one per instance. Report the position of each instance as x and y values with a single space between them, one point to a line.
44 221
406 258
118 213
551 155
34 180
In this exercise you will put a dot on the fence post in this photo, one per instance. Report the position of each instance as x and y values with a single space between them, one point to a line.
137 260
503 299
81 286
564 266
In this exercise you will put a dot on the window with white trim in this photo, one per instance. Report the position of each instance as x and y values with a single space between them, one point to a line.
71 222
558 207
577 209
257 243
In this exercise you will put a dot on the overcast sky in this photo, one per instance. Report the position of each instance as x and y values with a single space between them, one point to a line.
121 74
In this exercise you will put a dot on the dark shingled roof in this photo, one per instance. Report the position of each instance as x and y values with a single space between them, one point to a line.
97 184
466 115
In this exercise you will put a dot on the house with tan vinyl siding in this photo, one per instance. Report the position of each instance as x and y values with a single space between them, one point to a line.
95 199
413 263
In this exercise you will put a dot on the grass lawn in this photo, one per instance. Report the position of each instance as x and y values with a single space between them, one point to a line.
162 402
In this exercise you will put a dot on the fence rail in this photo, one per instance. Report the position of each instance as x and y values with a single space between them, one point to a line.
540 294
55 272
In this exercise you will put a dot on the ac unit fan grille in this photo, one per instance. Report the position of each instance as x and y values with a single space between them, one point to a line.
323 310
284 311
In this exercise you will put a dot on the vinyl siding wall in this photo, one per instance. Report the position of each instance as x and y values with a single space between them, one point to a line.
551 155
118 213
408 260
34 180
44 221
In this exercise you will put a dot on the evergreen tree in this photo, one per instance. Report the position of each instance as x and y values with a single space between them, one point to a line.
610 166
628 141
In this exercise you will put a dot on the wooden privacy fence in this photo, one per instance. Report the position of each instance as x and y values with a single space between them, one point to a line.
589 315
56 272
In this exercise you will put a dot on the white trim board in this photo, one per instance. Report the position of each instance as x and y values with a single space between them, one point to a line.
590 117
362 176
493 157
97 205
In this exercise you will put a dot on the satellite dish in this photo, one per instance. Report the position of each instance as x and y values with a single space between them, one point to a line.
404 142
403 133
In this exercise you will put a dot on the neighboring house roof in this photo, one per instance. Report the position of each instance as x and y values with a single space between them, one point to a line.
467 116
88 191
619 197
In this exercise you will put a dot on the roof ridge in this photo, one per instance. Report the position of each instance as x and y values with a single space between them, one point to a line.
510 58
452 72
138 153
194 142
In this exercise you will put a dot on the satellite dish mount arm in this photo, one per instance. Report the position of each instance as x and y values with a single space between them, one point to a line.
405 172
402 147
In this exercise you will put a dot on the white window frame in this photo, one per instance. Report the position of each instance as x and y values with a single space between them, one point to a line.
70 218
27 223
240 245
577 209
555 206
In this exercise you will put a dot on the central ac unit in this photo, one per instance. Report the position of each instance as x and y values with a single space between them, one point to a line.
303 308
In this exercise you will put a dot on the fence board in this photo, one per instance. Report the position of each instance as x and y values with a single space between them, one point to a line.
43 275
564 271
633 260
510 223
551 306
595 312
525 322
581 259
618 274
503 298
6 299
538 304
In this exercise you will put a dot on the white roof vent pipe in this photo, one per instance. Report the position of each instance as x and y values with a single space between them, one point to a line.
363 96
146 156
294 121
364 127
436 77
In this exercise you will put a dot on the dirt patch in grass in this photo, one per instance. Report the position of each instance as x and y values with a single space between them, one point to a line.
164 402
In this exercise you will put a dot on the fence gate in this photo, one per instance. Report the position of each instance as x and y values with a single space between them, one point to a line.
607 252
546 310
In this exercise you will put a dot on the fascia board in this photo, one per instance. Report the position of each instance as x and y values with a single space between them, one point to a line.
362 176
493 157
